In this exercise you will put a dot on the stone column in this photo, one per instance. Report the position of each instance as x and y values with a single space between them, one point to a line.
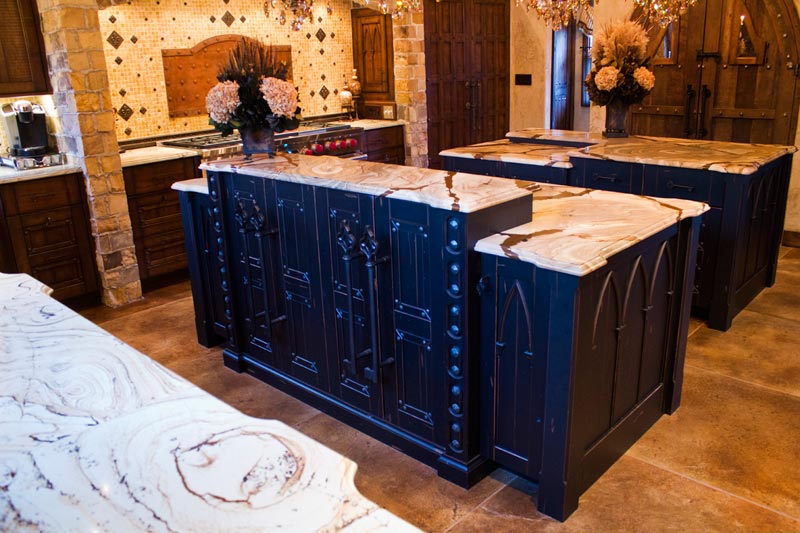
408 33
80 83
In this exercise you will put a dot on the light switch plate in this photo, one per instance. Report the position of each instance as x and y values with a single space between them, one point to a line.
387 112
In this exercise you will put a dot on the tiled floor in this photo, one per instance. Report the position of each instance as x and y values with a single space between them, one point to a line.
728 459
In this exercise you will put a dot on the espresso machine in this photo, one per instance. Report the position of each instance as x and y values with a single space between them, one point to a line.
26 129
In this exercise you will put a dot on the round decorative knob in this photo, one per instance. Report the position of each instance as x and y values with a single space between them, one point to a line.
307 151
341 144
317 148
352 143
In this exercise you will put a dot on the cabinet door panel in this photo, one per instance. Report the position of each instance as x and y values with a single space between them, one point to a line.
23 65
347 216
302 283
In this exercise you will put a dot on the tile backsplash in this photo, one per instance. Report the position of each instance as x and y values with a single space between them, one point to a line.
135 33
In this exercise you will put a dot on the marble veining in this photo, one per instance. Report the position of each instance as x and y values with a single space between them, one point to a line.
542 135
455 191
154 154
575 230
510 152
12 175
716 156
96 436
370 123
198 185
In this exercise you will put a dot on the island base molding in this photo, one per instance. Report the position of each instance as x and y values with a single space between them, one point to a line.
463 474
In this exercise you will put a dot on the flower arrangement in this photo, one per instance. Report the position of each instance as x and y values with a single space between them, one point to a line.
252 92
619 65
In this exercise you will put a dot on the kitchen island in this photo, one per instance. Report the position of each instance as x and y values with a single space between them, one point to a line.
380 294
746 186
97 436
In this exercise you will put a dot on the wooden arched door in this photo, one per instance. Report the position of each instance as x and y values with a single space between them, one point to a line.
728 71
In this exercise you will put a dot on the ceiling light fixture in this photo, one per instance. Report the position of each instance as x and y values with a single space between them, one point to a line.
301 10
664 12
396 9
556 13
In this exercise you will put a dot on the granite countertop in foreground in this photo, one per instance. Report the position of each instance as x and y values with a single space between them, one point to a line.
12 175
575 230
98 437
154 154
438 188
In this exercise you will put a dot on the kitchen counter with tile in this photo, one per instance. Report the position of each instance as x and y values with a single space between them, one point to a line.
437 188
575 230
97 436
11 175
153 154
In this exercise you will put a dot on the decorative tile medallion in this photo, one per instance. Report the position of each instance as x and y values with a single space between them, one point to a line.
134 39
128 131
324 92
142 110
242 18
123 92
118 60
227 18
112 19
125 112
321 35
115 39
212 18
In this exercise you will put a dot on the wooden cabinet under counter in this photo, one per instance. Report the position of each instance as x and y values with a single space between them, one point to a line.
156 215
44 232
385 145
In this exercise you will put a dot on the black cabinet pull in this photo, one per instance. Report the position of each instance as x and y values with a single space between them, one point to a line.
705 94
347 242
672 185
688 131
484 286
369 249
612 179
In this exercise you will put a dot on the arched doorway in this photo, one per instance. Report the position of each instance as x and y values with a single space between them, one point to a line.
727 71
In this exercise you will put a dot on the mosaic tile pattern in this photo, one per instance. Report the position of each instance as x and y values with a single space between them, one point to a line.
321 50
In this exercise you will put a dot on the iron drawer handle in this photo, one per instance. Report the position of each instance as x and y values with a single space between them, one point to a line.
612 179
688 131
672 185
347 242
369 249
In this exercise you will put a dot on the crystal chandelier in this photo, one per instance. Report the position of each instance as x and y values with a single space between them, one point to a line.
557 13
397 8
300 10
664 12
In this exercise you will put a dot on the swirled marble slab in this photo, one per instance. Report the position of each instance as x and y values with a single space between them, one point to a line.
562 137
576 230
510 152
716 156
95 436
442 189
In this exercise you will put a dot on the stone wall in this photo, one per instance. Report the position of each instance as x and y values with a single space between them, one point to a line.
409 83
80 83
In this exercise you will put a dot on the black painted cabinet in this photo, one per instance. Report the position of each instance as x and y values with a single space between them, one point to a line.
360 305
575 369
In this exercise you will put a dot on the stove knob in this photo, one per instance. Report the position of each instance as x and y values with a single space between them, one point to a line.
307 151
330 146
341 144
352 143
317 148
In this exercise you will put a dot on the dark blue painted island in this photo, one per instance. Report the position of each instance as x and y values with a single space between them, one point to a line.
432 311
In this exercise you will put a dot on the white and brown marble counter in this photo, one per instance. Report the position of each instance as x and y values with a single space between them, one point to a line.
154 154
510 152
716 156
11 175
576 230
437 188
370 123
95 436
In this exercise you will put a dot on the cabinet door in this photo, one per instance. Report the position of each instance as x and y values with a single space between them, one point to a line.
302 283
344 219
373 53
23 66
254 257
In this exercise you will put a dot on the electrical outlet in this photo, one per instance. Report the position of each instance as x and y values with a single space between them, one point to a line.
388 112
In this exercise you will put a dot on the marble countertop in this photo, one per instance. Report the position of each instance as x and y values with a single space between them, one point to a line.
98 437
438 188
11 175
369 123
154 154
575 231
511 152
716 156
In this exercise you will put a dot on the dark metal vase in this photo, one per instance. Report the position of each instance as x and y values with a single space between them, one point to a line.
616 118
257 141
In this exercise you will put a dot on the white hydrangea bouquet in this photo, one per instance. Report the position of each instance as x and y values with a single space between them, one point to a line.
619 65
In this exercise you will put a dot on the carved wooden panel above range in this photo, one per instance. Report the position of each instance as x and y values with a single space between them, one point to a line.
191 72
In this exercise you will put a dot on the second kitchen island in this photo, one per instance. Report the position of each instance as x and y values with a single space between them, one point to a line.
358 288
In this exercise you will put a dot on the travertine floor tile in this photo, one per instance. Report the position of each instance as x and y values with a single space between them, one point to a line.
154 298
739 437
760 349
400 484
632 496
782 299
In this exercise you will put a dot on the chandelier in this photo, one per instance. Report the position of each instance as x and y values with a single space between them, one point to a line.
300 10
664 12
557 13
397 8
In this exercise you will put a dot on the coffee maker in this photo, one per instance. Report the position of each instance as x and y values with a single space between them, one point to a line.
26 126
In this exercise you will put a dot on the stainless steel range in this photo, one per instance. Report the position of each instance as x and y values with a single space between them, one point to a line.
311 139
